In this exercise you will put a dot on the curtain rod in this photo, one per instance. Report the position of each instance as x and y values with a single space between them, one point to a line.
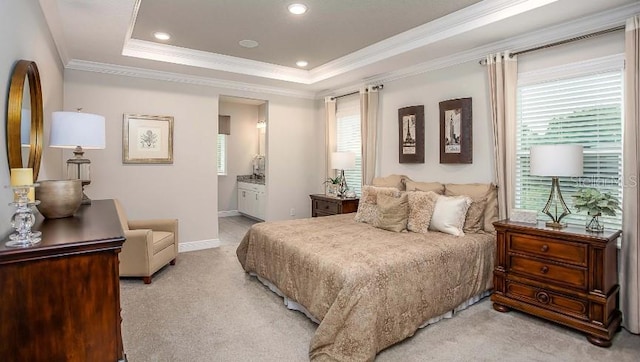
378 87
562 42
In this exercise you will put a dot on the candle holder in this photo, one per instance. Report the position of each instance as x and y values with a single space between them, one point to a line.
23 219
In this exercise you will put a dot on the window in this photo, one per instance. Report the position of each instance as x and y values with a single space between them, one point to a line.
222 154
584 108
348 138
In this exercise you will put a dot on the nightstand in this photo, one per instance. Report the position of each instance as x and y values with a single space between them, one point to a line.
323 205
569 276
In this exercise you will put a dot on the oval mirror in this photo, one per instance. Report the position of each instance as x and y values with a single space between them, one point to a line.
24 115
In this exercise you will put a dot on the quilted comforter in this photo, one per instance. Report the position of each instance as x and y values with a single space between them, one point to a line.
369 288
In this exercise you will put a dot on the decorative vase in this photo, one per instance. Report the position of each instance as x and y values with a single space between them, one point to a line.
594 224
59 198
332 189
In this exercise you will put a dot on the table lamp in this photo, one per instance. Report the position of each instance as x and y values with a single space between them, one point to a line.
79 131
341 161
556 161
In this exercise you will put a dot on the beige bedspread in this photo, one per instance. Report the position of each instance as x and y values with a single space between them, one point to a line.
370 288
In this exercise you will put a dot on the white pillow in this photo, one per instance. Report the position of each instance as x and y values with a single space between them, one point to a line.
449 214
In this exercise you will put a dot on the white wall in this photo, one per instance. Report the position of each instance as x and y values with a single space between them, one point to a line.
242 146
465 80
186 189
24 35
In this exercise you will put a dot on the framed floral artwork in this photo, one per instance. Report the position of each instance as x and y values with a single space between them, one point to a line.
456 138
147 139
411 134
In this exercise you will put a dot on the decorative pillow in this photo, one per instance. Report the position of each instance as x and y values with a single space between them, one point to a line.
479 191
421 205
392 213
436 187
396 181
368 208
449 214
474 221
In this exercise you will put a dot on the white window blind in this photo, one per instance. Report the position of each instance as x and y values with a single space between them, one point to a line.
348 137
222 154
582 109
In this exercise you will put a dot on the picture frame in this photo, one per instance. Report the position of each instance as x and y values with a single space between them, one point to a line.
456 131
147 139
411 134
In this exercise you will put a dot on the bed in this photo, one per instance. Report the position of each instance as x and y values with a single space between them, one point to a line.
368 288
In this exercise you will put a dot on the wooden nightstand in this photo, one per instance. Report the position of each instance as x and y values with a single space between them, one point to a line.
568 276
322 205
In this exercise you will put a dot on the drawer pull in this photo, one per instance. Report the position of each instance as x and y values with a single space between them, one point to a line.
542 297
544 269
326 207
544 248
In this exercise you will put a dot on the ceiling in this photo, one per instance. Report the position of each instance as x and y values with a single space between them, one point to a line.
346 42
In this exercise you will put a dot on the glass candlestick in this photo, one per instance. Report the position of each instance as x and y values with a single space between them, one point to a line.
23 219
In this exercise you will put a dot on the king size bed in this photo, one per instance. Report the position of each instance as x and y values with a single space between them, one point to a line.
368 288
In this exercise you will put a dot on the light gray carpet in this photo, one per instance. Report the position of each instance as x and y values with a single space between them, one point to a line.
205 308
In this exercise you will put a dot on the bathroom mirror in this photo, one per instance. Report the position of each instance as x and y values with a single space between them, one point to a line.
25 101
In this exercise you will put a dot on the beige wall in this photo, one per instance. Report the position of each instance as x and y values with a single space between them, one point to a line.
24 35
242 146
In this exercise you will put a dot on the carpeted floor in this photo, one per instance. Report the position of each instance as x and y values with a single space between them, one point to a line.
205 308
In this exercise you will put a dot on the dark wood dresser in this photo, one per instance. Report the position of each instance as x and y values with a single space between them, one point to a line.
568 276
323 205
61 298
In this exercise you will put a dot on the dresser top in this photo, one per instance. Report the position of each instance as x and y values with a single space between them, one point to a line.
94 226
569 231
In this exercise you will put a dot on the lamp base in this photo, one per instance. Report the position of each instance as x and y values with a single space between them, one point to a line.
555 225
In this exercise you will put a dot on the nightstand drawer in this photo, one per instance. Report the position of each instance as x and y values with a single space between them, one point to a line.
546 299
561 274
548 249
325 207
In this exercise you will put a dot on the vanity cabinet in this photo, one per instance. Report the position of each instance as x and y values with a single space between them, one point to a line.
252 200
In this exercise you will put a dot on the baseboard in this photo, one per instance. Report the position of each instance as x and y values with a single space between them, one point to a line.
228 213
198 245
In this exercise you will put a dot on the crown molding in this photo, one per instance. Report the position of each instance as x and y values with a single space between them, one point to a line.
126 71
593 23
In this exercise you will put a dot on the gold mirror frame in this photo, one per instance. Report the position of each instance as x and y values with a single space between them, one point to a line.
24 69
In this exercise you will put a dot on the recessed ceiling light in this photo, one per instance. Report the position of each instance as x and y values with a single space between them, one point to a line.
248 43
297 9
302 63
161 36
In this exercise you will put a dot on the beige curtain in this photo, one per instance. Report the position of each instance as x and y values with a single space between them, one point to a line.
502 71
630 264
369 129
330 133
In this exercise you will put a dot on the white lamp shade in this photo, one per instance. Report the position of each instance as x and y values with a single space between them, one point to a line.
343 160
556 160
25 127
71 129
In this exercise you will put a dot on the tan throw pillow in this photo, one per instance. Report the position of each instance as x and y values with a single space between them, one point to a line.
449 214
396 181
368 208
421 205
474 220
436 187
392 213
479 191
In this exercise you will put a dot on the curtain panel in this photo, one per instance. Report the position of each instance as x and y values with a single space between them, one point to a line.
630 254
330 134
502 72
369 132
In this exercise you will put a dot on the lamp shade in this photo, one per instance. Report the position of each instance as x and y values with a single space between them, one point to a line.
71 129
556 160
343 160
25 127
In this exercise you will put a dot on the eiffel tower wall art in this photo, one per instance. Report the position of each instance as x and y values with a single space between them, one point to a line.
456 139
411 134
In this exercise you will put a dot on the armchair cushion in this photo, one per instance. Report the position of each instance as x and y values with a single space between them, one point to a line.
161 240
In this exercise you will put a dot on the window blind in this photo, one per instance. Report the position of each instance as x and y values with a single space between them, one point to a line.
348 137
222 154
582 109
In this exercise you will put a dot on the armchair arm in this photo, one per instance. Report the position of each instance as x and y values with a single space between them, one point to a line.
135 257
168 225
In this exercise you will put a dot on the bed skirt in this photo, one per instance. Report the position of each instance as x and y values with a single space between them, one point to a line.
290 304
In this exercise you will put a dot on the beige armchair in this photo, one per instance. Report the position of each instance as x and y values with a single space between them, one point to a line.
150 245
